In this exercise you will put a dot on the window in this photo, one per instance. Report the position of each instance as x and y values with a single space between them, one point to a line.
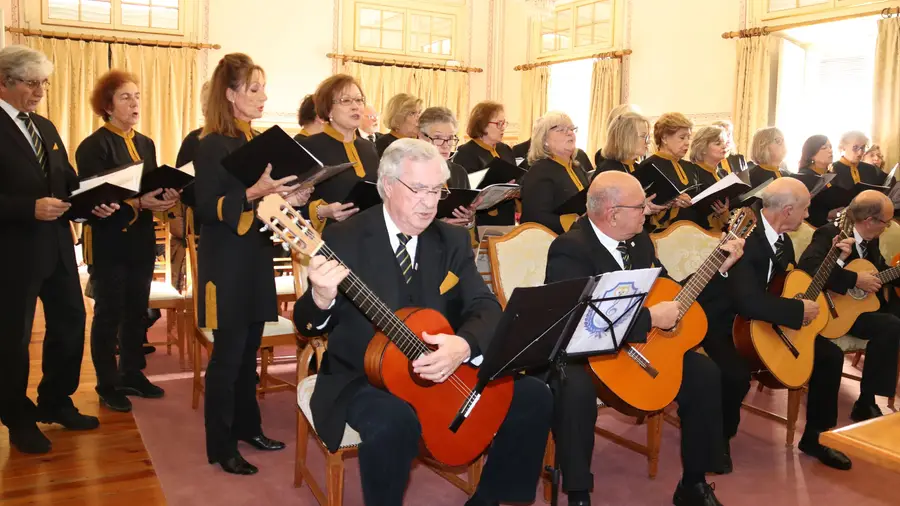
825 83
569 91
404 31
784 5
159 16
578 25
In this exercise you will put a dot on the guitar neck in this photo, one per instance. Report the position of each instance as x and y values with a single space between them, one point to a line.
888 275
700 279
823 272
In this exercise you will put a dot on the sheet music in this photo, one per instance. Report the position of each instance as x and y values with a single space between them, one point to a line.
495 194
475 178
725 182
891 175
821 183
593 333
129 177
188 169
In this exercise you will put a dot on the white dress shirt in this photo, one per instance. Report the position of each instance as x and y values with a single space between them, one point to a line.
859 252
393 230
610 244
13 114
772 236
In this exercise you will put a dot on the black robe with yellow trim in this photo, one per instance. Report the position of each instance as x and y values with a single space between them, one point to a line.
708 176
866 173
474 158
384 141
331 151
548 185
759 174
236 280
732 164
689 176
608 164
126 237
818 214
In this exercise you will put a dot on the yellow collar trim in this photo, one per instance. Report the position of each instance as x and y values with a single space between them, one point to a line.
128 137
854 169
487 147
710 169
568 166
682 175
771 168
349 148
304 132
244 127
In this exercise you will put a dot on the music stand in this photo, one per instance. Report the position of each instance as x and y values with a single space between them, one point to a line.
537 327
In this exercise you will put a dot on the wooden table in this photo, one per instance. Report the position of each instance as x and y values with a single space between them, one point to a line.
876 441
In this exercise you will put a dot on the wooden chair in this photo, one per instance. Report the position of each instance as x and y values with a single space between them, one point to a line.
278 333
801 238
524 250
333 492
482 261
164 296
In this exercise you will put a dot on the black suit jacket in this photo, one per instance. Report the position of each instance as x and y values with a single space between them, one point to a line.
545 187
448 282
744 291
31 248
382 143
579 254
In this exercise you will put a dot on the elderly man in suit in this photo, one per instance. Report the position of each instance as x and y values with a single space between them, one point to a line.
38 257
609 238
408 258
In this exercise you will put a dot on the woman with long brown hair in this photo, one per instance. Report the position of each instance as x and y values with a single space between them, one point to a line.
235 275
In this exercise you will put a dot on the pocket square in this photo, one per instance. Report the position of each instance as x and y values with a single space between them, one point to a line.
55 147
449 282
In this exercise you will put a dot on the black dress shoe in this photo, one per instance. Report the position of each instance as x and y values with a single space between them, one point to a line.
29 439
261 442
828 456
137 384
236 465
579 498
68 417
864 411
699 494
115 400
149 349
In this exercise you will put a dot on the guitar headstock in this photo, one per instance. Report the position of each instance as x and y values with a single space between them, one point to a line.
844 223
286 222
742 222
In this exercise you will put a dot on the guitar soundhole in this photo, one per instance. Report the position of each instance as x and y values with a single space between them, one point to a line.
418 380
857 293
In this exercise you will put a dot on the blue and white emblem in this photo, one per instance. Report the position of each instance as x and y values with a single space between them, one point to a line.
615 310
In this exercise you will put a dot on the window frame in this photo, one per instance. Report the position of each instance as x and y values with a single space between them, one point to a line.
116 21
830 6
573 50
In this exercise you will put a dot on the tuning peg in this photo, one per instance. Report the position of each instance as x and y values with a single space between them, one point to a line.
274 237
285 246
264 229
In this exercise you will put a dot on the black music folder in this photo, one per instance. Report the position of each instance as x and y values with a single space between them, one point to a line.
836 196
482 200
364 195
110 187
458 197
730 187
274 146
577 204
498 171
166 176
654 180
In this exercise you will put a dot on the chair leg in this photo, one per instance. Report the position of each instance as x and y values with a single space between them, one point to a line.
654 439
302 443
263 372
180 318
793 410
856 356
474 474
335 479
171 328
549 461
195 399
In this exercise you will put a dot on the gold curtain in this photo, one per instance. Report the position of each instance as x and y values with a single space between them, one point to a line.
886 96
434 87
751 97
170 93
76 66
606 93
534 99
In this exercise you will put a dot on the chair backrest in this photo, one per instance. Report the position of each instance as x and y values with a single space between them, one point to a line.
300 264
889 242
191 239
683 247
519 258
801 239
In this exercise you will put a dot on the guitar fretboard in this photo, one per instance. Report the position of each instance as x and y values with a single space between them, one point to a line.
824 271
888 275
701 278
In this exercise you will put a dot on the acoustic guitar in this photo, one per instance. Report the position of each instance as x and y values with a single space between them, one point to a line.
847 308
785 355
646 376
397 342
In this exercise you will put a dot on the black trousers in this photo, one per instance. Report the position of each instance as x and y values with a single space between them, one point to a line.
121 294
230 408
575 415
60 294
390 434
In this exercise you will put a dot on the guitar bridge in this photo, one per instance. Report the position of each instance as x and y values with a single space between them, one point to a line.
641 361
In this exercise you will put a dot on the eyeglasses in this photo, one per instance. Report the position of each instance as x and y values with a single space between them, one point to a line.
879 220
565 129
437 141
34 85
641 206
347 101
858 149
441 193
414 113
371 117
645 138
500 124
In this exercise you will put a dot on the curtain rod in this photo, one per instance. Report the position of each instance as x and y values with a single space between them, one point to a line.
402 63
608 54
765 30
105 38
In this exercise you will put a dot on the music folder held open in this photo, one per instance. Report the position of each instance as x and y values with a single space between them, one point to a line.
110 187
482 200
497 171
363 195
543 325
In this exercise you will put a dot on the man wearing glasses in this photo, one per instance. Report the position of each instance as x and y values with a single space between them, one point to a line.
609 238
38 257
411 260
871 212
851 169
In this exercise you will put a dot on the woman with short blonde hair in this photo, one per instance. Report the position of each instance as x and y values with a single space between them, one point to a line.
708 149
850 169
614 113
874 157
672 137
627 141
401 115
554 176
767 151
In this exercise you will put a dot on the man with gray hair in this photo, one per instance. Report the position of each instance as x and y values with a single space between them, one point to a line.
611 238
38 257
409 259
768 252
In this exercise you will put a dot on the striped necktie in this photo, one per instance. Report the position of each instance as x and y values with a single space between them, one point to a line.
863 249
403 257
779 250
626 258
35 140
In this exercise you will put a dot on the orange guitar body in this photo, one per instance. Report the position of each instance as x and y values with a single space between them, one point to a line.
848 307
436 404
765 350
624 381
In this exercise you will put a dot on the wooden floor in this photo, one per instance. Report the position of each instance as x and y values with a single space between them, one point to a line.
107 466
